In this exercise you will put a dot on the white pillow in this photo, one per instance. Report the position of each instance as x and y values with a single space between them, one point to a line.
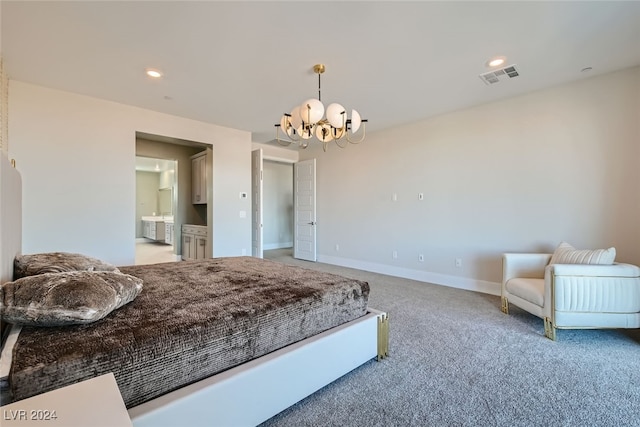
567 254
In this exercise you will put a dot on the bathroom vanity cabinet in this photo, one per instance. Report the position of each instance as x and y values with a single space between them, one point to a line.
194 242
168 233
154 230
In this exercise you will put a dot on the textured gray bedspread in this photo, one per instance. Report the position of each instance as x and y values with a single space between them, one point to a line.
193 319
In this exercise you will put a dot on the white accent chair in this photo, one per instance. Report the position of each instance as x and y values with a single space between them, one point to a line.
572 296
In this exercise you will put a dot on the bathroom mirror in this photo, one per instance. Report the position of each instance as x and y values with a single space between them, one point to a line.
165 198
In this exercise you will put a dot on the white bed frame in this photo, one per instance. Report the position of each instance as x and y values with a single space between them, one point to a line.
247 394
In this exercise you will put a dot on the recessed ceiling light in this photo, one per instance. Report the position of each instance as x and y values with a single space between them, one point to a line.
497 61
152 72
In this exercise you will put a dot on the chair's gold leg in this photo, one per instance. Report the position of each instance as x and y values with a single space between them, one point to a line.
383 337
549 329
505 305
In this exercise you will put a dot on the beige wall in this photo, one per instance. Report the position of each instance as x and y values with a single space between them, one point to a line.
4 102
515 175
77 159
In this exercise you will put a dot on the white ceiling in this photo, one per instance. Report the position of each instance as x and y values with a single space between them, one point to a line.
243 64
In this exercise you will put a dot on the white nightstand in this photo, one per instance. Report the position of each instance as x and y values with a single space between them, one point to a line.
96 402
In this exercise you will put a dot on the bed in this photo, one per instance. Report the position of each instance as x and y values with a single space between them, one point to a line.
205 340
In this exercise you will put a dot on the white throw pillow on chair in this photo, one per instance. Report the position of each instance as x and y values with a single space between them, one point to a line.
567 254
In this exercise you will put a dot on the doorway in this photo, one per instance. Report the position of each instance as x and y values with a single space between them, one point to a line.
156 189
278 205
184 212
272 204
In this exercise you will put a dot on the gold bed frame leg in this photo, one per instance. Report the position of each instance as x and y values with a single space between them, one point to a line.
383 337
549 329
505 305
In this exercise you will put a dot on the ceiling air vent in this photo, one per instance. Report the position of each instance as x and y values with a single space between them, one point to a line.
501 74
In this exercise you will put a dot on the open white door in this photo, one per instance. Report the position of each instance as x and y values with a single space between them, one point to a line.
256 203
304 190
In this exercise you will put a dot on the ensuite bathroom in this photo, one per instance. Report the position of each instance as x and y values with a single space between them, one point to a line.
171 200
155 188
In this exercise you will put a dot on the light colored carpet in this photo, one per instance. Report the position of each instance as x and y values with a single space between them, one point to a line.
457 360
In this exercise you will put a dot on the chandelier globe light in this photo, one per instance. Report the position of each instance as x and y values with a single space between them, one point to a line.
308 120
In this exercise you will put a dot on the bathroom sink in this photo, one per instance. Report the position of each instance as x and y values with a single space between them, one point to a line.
152 218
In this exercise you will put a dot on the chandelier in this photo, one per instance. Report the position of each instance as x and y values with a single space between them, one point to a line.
308 120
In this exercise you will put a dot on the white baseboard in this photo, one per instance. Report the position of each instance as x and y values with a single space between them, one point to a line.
268 246
483 286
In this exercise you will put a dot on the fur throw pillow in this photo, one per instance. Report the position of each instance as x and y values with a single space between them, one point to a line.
69 298
56 262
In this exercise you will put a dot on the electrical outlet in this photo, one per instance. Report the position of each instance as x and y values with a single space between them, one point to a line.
421 258
337 247
458 262
394 255
394 197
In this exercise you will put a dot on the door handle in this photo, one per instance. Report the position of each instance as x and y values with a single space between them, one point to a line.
312 223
